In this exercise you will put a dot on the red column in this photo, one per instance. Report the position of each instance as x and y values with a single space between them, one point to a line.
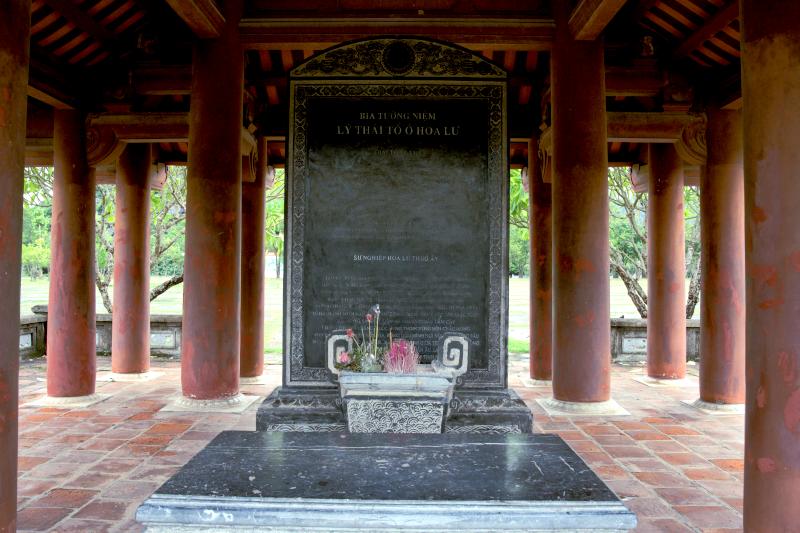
14 37
771 113
541 301
581 307
722 313
71 350
253 227
666 271
210 350
130 333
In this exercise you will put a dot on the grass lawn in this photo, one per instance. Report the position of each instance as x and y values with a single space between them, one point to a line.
34 292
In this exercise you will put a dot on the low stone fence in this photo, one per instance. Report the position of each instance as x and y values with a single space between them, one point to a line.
165 334
629 340
628 337
32 336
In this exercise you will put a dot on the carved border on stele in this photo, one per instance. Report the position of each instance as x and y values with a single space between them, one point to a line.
398 57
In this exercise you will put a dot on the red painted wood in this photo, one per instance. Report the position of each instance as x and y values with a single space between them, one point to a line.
211 288
666 272
14 37
771 108
130 337
71 357
722 306
251 358
541 298
581 308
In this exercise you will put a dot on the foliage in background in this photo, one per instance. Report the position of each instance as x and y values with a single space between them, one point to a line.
274 223
518 236
167 225
517 201
36 222
628 238
104 241
167 229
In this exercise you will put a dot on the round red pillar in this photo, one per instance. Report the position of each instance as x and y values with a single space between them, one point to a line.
14 37
541 297
771 120
251 360
581 307
130 329
211 287
71 353
666 272
722 312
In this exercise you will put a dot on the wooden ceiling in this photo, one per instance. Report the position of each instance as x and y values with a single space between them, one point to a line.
83 32
135 55
705 31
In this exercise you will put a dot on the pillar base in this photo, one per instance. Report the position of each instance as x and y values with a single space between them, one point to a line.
715 408
530 383
129 377
664 382
233 404
69 402
253 380
555 407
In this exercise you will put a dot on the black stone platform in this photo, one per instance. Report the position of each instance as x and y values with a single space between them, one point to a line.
275 481
484 412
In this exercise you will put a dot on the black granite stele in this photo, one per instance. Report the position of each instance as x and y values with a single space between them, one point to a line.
305 410
396 194
359 482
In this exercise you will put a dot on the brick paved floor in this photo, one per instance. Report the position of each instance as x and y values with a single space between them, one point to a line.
86 470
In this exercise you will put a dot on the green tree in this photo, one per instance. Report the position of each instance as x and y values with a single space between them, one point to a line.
628 238
274 226
167 227
168 230
518 252
517 201
36 222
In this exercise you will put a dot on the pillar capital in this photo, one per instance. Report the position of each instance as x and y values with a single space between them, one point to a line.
691 145
107 133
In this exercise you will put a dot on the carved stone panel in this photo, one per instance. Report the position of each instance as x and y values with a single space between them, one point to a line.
394 416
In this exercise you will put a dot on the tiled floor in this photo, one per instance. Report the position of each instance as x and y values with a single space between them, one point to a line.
86 470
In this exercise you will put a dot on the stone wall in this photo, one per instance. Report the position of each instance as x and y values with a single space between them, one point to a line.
32 336
629 340
165 334
628 337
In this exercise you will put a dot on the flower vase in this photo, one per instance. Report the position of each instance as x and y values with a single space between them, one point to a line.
369 363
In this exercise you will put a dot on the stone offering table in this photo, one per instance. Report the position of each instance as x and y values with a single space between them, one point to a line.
265 481
395 403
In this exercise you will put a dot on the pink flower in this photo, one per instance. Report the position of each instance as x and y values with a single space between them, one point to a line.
344 358
350 333
369 317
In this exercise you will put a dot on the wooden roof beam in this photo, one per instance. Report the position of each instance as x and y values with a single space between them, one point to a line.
715 24
202 16
621 82
70 11
590 18
486 32
162 80
50 83
107 133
